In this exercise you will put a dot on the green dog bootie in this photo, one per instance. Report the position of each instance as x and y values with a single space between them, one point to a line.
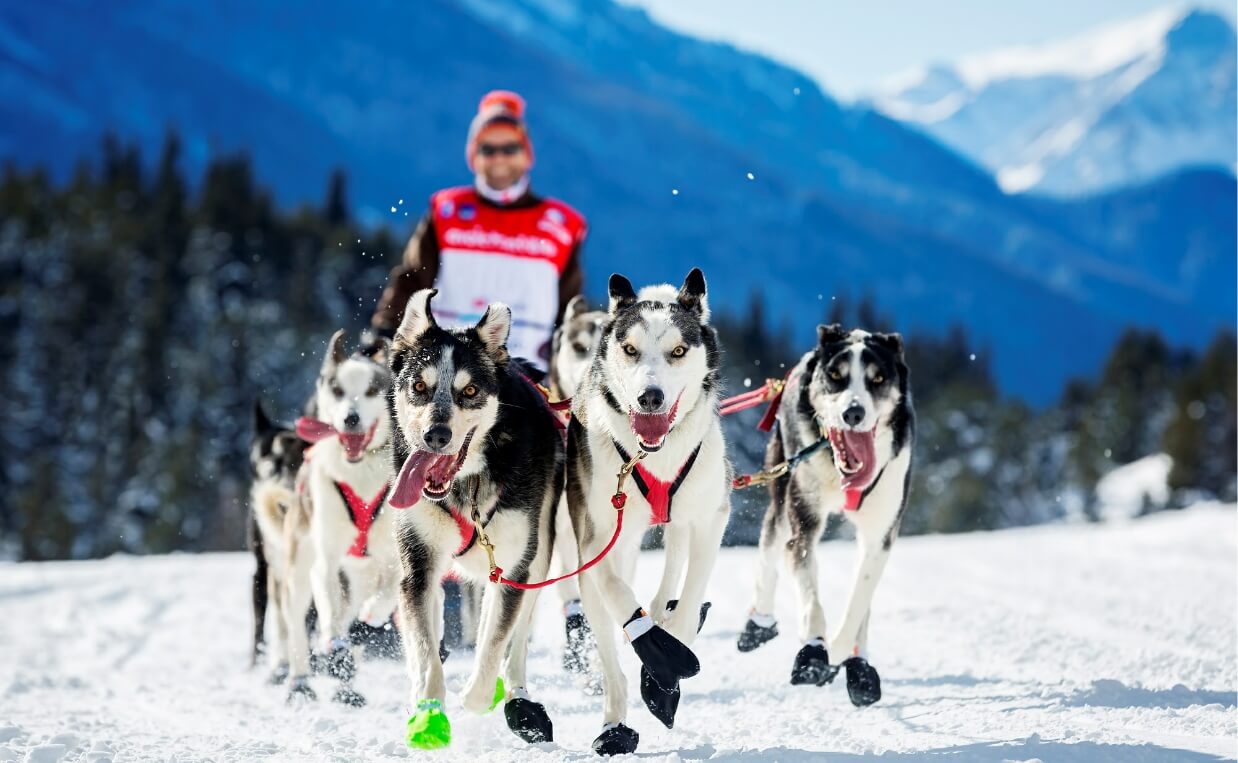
500 693
429 728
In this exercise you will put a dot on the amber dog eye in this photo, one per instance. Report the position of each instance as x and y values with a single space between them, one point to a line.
679 351
630 350
835 375
419 387
878 378
469 391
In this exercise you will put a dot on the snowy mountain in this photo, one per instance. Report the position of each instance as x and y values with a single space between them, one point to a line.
1113 107
652 134
1107 642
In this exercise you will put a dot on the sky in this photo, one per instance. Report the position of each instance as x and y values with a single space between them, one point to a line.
851 47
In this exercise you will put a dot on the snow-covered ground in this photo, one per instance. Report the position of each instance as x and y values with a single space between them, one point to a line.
1077 643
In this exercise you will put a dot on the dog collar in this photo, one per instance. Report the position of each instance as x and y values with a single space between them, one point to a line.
659 494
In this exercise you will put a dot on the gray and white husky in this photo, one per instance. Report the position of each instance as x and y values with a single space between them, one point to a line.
473 440
651 391
342 525
571 351
851 396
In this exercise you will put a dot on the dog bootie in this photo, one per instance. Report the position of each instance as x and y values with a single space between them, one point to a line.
664 703
812 665
616 739
279 675
575 655
528 719
340 663
300 690
863 683
429 728
667 658
757 633
346 695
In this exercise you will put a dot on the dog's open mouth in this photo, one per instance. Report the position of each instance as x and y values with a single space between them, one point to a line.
355 443
855 454
427 474
651 428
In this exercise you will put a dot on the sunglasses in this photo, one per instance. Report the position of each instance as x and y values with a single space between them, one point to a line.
506 149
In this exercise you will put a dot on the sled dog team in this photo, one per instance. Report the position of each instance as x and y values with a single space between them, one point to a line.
440 455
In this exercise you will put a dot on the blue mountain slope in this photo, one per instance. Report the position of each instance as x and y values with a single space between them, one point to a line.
843 201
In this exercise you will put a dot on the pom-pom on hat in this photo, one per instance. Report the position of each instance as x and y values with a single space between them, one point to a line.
498 107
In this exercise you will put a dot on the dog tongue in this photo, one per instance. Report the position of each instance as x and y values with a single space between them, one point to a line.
411 479
354 444
862 448
313 430
651 427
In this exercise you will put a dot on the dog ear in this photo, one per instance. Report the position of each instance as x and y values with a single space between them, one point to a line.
831 334
262 422
493 329
575 307
621 293
335 350
418 319
892 342
692 295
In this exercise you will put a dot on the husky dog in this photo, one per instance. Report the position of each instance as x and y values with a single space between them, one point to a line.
474 443
850 397
275 455
342 525
571 349
651 391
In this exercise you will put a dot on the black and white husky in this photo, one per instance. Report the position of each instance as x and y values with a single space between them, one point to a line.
571 351
651 391
343 527
473 438
275 455
850 398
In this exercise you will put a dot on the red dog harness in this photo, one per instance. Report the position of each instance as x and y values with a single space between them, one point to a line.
362 515
659 494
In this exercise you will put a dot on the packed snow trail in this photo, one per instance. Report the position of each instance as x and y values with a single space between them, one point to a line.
1111 642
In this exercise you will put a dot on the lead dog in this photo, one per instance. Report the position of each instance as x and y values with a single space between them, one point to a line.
651 392
851 392
473 439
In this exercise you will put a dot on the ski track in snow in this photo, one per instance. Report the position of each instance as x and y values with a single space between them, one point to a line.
1112 642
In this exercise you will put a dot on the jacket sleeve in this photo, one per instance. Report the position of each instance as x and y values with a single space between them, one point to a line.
417 270
572 280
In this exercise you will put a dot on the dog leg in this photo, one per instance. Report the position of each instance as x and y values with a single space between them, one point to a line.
527 719
296 605
616 738
705 537
762 626
676 540
801 556
501 606
868 572
279 636
421 625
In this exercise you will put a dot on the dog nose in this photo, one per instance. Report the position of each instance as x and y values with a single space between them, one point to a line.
651 400
438 436
853 415
352 420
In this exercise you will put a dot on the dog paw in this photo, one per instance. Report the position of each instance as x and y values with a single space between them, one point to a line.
429 728
662 703
576 653
812 666
279 675
300 691
755 635
480 698
346 695
668 659
341 665
528 720
616 739
863 683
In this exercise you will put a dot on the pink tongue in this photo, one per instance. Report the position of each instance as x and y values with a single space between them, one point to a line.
354 445
312 430
651 427
411 479
862 448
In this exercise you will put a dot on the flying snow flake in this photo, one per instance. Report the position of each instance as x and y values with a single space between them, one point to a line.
674 192
747 382
393 209
401 202
972 356
795 90
751 176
